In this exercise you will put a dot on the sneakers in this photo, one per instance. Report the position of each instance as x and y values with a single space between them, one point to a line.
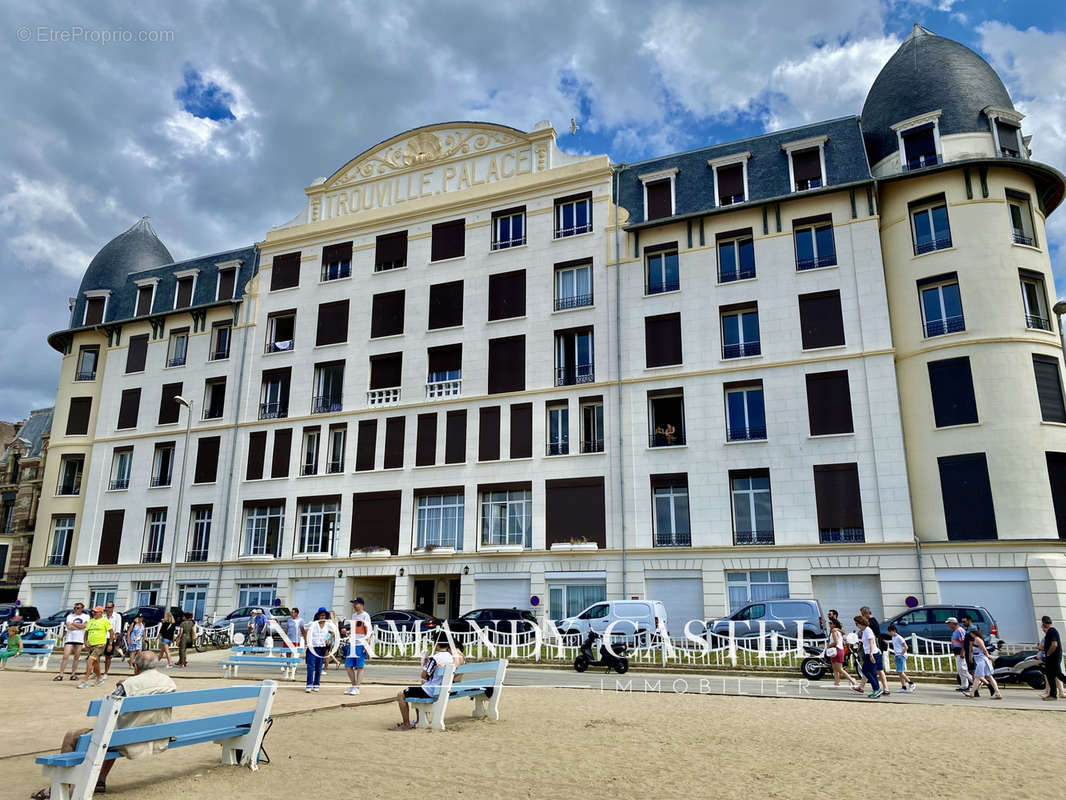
875 695
857 689
883 691
99 682
308 690
352 690
314 688
83 685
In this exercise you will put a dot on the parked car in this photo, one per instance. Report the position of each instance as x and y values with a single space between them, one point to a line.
494 619
404 620
28 613
930 622
778 616
55 619
150 615
240 618
632 616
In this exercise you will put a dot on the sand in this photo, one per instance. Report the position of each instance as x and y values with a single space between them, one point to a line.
581 743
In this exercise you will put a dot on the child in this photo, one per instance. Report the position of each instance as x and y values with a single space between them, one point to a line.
136 637
899 655
14 644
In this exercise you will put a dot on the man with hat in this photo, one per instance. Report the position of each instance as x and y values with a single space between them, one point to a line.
958 642
359 631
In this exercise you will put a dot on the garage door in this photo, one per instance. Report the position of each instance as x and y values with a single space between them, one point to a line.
847 594
311 594
1004 592
47 599
509 592
682 594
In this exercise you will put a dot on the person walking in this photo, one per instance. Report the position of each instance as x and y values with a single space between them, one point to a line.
14 645
875 626
899 661
982 667
73 640
294 627
1052 647
958 641
836 653
319 638
359 632
186 637
257 628
97 632
135 639
115 640
872 664
167 631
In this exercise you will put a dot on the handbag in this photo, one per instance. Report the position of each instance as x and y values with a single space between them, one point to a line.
831 652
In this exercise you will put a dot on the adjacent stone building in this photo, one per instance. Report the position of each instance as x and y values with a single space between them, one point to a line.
21 473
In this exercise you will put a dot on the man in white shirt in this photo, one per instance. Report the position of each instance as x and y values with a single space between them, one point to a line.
432 676
872 663
359 631
114 642
73 640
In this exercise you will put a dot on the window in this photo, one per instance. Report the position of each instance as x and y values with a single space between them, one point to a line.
376 520
338 435
662 269
455 437
62 537
168 403
1008 137
274 393
658 197
821 320
448 240
7 522
256 455
426 440
101 595
390 251
227 283
214 398
558 429
440 520
507 295
162 464
137 353
183 291
507 364
929 225
220 338
669 494
1049 389
145 295
445 378
814 242
200 535
592 425
279 462
521 430
1056 470
121 466
829 403
506 517
70 470
566 600
736 256
745 412
756 586
193 597
285 272
329 388
445 305
573 285
128 408
574 357
666 418
509 228
87 360
206 469
146 593
753 518
262 530
969 513
941 305
309 459
336 261
78 416
488 437
836 493
920 146
366 441
95 306
1034 298
1021 218
575 510
740 331
385 372
662 340
573 215
951 385
386 317
805 165
256 594
155 527
281 331
731 182
332 323
318 525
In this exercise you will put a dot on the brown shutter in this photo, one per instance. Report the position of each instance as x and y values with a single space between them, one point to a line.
207 459
337 253
390 251
662 340
385 370
488 438
730 183
376 520
366 442
184 298
522 430
128 408
1056 472
257 442
111 537
137 353
449 240
387 315
279 463
821 320
94 310
445 305
507 364
969 510
227 282
658 199
445 359
394 431
285 271
806 164
836 491
426 440
829 403
332 323
507 295
144 301
575 509
455 438
168 406
1049 389
78 416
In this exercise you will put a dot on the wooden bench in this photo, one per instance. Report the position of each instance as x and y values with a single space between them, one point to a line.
281 657
74 775
480 680
40 650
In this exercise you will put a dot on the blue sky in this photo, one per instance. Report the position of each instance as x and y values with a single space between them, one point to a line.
211 118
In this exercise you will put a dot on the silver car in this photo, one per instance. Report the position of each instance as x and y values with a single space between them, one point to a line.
778 616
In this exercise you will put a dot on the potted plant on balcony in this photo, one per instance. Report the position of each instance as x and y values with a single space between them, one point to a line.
575 543
371 551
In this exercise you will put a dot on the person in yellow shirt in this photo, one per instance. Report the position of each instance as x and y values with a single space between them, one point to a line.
97 632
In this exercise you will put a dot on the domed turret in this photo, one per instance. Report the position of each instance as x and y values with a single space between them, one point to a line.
926 73
135 250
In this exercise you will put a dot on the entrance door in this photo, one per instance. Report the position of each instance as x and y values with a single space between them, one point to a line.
424 599
193 597
681 595
453 597
1005 592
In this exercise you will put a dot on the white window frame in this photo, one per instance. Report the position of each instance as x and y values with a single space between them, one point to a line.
660 175
215 328
256 534
431 520
928 208
564 586
272 342
506 244
82 351
814 227
671 494
494 508
560 231
157 460
805 144
95 293
1024 202
200 527
734 242
939 287
1041 311
901 128
597 433
660 257
319 521
221 267
728 161
558 445
563 301
154 283
752 510
322 383
336 433
1011 117
209 386
733 579
567 343
743 343
744 391
245 590
102 595
59 545
79 476
187 273
312 441
189 596
119 456
155 532
175 336
323 275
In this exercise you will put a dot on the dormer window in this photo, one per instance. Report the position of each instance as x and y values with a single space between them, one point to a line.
658 193
95 306
145 296
730 178
919 141
184 289
806 163
1006 132
227 280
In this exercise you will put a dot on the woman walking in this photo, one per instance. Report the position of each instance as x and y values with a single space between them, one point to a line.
836 660
982 667
135 642
871 658
166 637
318 638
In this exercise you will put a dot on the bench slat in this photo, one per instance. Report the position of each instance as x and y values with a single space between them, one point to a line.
165 730
282 662
213 735
191 697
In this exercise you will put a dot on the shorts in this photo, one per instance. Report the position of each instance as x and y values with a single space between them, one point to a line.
73 644
359 661
900 662
416 693
96 650
166 641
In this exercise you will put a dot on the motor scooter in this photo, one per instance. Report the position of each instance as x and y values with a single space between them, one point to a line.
815 666
1025 666
588 657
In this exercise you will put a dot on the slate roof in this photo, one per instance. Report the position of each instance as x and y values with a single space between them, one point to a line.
32 430
136 249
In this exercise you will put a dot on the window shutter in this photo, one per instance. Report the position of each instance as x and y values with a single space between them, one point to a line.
366 442
522 430
257 442
1008 135
394 433
919 142
1049 389
144 301
659 204
455 437
207 459
836 492
137 353
111 537
168 406
390 251
730 182
445 359
951 385
279 463
387 314
332 323
662 340
426 440
445 305
78 416
488 439
285 272
1056 470
184 298
806 164
507 295
821 320
449 240
507 364
376 520
337 253
575 509
385 370
829 403
94 310
227 282
128 408
968 509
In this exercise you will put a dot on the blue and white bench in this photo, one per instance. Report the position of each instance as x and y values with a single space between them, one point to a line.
480 680
74 775
281 657
40 650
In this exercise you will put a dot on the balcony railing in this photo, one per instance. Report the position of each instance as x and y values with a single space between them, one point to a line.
438 389
1008 152
502 244
673 539
841 535
928 160
558 448
816 262
57 560
334 467
212 413
742 350
1040 323
69 491
282 346
273 410
574 230
88 375
592 445
119 483
570 376
753 537
383 397
309 469
573 301
736 275
152 557
938 327
808 183
333 272
666 439
325 404
178 361
220 354
196 555
659 287
160 480
383 266
730 199
940 243
746 434
1021 238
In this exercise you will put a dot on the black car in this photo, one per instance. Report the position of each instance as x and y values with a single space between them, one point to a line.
404 620
494 619
55 620
150 615
28 613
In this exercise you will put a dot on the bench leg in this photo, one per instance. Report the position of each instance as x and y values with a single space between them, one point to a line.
479 706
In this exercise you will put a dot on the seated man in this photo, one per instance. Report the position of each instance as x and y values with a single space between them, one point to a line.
146 679
432 676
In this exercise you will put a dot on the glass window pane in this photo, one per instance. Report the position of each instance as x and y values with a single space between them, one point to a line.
583 280
756 411
804 244
731 329
750 321
735 408
670 268
662 514
727 259
931 304
940 221
952 300
681 513
742 511
747 255
826 247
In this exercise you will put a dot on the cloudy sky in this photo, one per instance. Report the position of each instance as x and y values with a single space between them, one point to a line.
214 123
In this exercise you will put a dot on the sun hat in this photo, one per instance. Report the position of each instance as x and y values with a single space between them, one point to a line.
950 620
98 608
321 610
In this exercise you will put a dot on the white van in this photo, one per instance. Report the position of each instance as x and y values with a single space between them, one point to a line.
631 616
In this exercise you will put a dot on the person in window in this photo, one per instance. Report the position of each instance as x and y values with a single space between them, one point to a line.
432 676
670 432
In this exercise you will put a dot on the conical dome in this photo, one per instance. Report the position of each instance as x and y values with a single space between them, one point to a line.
926 73
135 250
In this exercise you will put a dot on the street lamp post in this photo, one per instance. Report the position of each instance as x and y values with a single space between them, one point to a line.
1060 309
181 492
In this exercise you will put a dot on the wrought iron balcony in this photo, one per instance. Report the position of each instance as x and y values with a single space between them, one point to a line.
69 490
592 445
325 404
742 350
382 266
841 535
736 275
119 483
273 410
212 413
928 160
196 555
939 243
659 287
753 537
574 230
152 557
57 560
570 376
160 480
808 183
573 301
731 200
334 467
680 539
938 327
220 354
309 469
816 262
558 448
1040 323
86 375
437 389
502 244
178 361
666 439
383 397
746 434
333 272
1021 238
